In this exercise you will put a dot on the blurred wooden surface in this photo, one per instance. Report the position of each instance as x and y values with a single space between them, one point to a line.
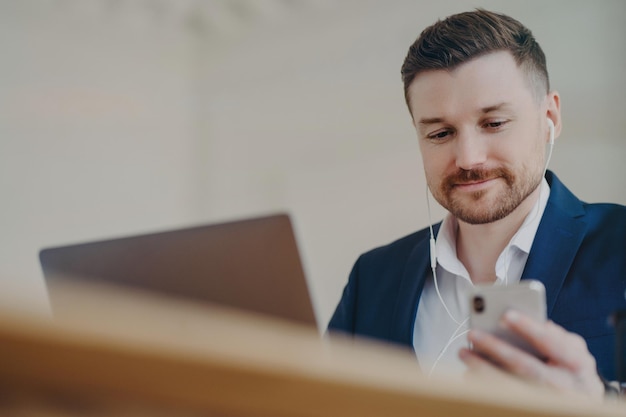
109 353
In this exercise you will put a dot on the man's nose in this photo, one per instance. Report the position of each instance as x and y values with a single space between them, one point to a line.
471 150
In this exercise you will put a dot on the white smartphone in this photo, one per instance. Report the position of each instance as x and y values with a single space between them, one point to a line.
489 302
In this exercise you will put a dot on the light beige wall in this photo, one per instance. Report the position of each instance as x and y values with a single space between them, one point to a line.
96 132
119 118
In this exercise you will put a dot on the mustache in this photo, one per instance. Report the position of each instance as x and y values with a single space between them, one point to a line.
463 176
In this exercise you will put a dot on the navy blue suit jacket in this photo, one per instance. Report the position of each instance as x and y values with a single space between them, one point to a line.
579 253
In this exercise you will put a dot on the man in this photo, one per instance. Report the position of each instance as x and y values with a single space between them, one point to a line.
477 87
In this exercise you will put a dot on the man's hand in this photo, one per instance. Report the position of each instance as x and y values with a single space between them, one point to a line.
568 366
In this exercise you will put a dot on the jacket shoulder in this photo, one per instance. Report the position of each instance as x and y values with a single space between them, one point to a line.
369 298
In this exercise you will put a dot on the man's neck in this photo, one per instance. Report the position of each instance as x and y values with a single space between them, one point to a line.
478 246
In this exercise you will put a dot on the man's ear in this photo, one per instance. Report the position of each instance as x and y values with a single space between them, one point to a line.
553 111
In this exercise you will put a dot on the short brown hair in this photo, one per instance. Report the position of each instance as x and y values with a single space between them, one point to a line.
462 37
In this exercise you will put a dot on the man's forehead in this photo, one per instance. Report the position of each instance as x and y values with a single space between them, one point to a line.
487 81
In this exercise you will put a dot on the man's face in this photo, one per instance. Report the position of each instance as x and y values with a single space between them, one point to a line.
482 134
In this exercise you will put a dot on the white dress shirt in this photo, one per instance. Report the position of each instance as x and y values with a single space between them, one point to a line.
434 328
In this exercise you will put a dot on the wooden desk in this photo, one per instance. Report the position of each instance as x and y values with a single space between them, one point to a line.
110 353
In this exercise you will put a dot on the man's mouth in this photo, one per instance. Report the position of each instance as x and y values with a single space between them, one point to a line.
474 184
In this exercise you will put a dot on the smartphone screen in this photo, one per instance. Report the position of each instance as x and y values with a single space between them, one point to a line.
489 302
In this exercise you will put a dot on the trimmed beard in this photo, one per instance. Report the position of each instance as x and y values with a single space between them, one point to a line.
518 189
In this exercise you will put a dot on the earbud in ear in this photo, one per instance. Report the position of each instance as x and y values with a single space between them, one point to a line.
551 127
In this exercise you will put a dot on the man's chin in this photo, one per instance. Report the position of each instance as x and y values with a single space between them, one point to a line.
477 212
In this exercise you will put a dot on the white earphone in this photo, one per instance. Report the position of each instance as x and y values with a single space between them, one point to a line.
551 142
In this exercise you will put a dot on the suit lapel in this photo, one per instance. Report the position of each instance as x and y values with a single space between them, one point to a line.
413 278
558 238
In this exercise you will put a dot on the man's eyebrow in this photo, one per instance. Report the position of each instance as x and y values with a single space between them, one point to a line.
496 107
430 120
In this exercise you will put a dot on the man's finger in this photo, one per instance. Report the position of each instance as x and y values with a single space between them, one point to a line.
507 357
557 345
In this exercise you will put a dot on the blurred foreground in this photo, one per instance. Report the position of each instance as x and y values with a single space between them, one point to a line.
114 353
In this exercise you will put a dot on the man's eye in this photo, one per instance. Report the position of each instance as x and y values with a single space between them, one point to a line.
439 135
494 125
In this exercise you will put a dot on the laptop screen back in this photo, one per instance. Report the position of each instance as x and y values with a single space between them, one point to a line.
251 264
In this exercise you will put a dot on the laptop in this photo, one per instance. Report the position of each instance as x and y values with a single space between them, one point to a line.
251 264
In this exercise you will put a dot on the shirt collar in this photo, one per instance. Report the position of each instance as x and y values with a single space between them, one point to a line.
446 247
523 238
